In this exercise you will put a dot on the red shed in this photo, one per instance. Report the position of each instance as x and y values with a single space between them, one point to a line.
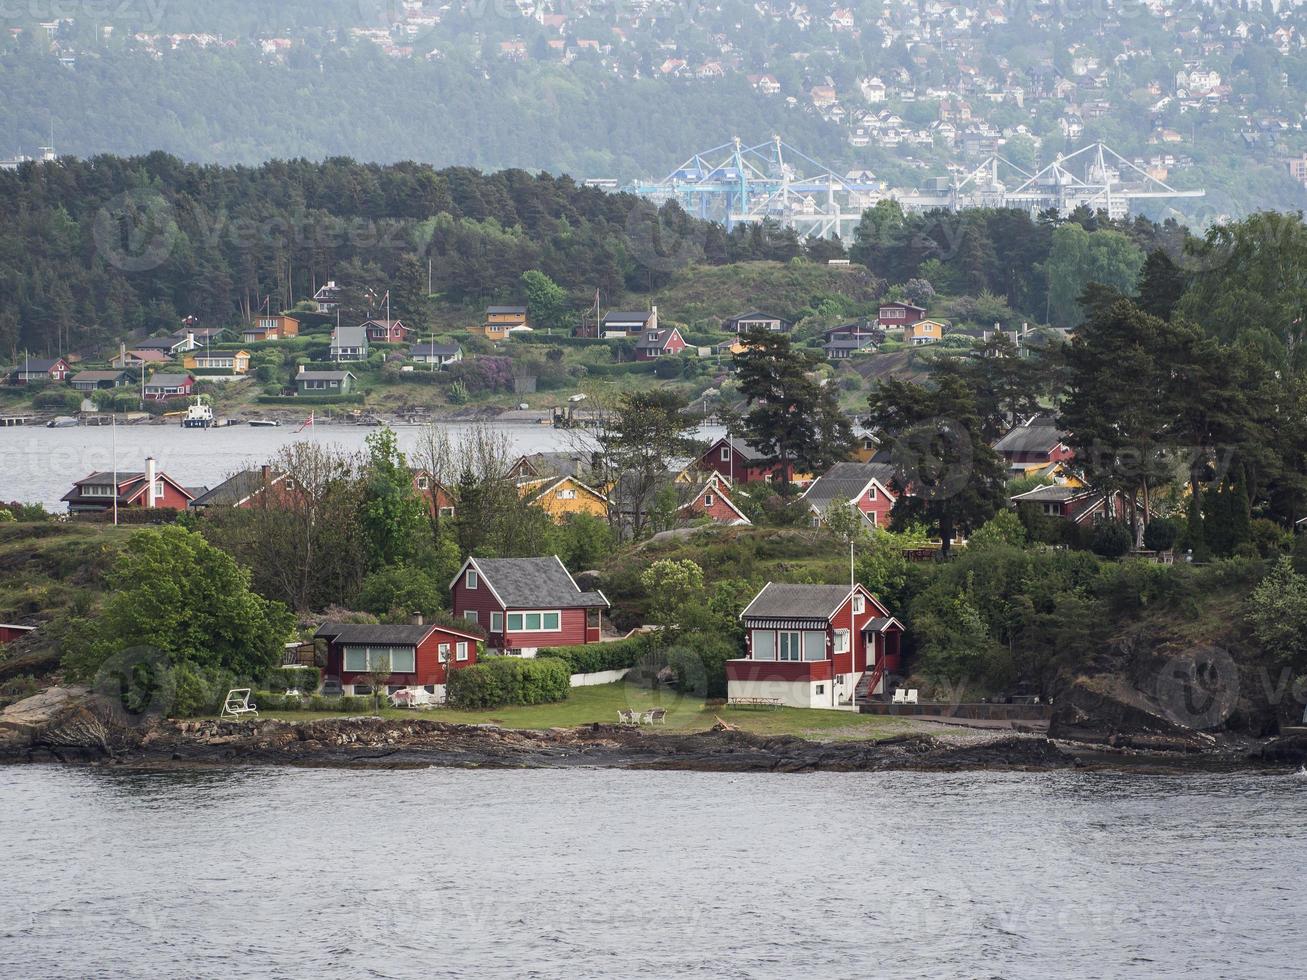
420 656
526 603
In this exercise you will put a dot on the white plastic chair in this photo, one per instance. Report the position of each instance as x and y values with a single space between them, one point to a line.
912 696
900 696
237 704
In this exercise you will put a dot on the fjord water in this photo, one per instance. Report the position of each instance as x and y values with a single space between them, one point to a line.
599 873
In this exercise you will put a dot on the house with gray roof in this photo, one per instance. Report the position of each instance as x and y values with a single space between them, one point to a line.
324 382
814 646
349 344
526 603
867 487
1037 443
414 658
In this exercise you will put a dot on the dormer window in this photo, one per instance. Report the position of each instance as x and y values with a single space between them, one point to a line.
859 605
726 454
470 580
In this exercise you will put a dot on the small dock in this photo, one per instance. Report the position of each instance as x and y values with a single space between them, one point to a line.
7 421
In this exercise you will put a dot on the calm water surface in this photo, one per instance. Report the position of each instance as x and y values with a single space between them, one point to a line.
590 873
39 465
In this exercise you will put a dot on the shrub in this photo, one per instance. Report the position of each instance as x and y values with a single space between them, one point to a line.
1161 534
594 657
1112 539
699 663
357 704
402 588
199 690
509 680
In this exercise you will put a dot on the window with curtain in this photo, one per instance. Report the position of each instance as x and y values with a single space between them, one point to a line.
841 641
789 645
764 645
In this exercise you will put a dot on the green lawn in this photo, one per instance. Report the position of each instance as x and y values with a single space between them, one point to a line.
601 703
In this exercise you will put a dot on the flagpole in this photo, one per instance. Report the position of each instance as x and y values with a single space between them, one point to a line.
113 450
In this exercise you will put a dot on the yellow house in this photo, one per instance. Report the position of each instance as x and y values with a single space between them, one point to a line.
235 361
562 497
924 332
500 320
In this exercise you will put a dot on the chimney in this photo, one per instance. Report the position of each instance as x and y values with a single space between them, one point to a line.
301 371
151 474
1025 327
417 620
653 317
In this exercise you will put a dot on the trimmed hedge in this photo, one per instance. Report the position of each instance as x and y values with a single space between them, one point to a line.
501 681
594 657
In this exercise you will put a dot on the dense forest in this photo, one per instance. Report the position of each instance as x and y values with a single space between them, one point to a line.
91 251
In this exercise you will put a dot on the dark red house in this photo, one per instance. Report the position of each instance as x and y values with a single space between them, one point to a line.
869 487
740 462
97 492
420 656
814 646
1037 444
386 331
659 343
526 603
897 316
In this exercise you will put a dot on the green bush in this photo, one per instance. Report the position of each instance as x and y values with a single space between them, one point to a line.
1161 534
594 657
699 663
357 704
1112 539
502 681
199 690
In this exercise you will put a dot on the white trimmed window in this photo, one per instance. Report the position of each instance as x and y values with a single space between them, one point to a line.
764 645
460 651
470 580
496 622
871 492
726 454
566 494
360 659
707 500
859 605
789 645
841 641
442 653
472 616
534 622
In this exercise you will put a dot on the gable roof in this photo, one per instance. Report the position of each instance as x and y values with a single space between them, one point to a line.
845 482
236 489
148 354
532 583
168 381
40 364
745 449
504 310
536 489
659 342
627 316
349 337
433 349
130 485
323 375
552 463
98 376
809 602
1031 439
384 633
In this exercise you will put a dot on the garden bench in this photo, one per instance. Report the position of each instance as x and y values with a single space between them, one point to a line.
756 703
237 704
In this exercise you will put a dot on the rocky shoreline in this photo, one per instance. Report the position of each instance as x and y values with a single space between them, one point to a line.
61 726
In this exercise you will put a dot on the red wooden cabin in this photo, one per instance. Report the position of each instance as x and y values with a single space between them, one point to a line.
526 603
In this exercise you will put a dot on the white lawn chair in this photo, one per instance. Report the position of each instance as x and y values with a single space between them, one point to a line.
900 696
626 716
658 716
237 704
912 696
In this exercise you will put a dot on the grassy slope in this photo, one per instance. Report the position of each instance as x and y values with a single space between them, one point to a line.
47 569
782 289
602 703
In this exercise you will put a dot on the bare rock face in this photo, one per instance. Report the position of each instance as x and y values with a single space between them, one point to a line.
23 721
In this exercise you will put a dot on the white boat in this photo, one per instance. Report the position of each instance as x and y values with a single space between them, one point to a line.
62 422
263 423
199 415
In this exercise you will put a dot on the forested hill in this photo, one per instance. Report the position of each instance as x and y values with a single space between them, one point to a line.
234 106
93 250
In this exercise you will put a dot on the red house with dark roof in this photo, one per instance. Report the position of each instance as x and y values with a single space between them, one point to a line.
814 646
420 656
526 603
653 344
386 331
97 492
898 316
739 462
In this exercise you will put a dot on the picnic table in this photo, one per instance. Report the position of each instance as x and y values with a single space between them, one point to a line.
756 703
